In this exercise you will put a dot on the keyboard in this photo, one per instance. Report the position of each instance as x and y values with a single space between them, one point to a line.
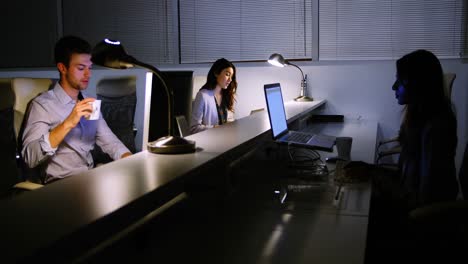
298 137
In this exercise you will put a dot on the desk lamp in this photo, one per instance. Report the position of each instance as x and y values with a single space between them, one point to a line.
277 59
111 54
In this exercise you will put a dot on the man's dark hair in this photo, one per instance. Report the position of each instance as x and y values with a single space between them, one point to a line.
68 45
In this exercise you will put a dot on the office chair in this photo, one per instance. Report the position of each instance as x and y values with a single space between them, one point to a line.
118 96
25 90
10 182
13 104
449 79
444 225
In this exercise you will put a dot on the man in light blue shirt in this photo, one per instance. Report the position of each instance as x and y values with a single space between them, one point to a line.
57 133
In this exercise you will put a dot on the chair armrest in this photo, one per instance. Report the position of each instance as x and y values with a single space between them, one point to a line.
385 141
394 150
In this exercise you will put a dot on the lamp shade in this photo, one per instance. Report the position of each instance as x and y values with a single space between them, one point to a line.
277 59
111 53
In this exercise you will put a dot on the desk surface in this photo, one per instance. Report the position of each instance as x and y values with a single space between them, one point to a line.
310 226
86 209
253 226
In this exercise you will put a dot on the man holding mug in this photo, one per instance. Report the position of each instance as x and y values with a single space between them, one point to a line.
58 132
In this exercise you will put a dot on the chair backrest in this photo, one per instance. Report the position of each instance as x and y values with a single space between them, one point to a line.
118 106
25 89
463 174
198 82
10 174
182 125
449 78
8 96
16 96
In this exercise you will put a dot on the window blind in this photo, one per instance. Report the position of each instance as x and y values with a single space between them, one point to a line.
246 30
29 33
144 27
369 29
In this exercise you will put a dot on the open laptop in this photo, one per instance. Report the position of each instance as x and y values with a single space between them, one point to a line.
279 126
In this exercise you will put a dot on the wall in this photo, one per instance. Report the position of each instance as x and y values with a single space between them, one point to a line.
354 89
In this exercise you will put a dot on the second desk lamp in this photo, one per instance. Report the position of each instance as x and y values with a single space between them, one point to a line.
277 59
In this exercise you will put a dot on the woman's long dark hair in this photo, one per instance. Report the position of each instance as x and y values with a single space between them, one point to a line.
422 76
230 92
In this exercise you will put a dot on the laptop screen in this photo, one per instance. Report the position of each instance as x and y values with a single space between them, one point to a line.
275 106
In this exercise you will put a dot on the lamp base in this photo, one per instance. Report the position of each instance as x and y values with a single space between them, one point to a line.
303 99
171 145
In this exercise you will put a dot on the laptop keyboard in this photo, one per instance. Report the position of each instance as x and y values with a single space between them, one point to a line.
298 137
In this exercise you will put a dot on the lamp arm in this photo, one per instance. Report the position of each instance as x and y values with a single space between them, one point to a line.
170 94
298 68
303 95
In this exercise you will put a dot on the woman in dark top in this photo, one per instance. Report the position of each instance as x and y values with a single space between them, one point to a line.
428 138
428 133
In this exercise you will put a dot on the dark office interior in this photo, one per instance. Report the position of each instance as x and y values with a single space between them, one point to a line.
239 196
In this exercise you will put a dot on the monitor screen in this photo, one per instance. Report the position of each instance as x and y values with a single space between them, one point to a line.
275 106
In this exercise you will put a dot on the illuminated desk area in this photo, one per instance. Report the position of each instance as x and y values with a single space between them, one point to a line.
69 218
252 225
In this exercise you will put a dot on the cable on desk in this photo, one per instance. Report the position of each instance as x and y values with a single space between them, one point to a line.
307 161
307 154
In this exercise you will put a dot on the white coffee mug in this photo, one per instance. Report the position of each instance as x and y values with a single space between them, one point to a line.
96 110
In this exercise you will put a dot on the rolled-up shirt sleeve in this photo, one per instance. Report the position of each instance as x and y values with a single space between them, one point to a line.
36 144
108 141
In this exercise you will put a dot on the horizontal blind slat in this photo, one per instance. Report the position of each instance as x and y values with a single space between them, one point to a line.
389 29
247 30
144 27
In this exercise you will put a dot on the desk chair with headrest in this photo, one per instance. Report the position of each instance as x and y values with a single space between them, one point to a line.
118 107
16 95
26 89
449 79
